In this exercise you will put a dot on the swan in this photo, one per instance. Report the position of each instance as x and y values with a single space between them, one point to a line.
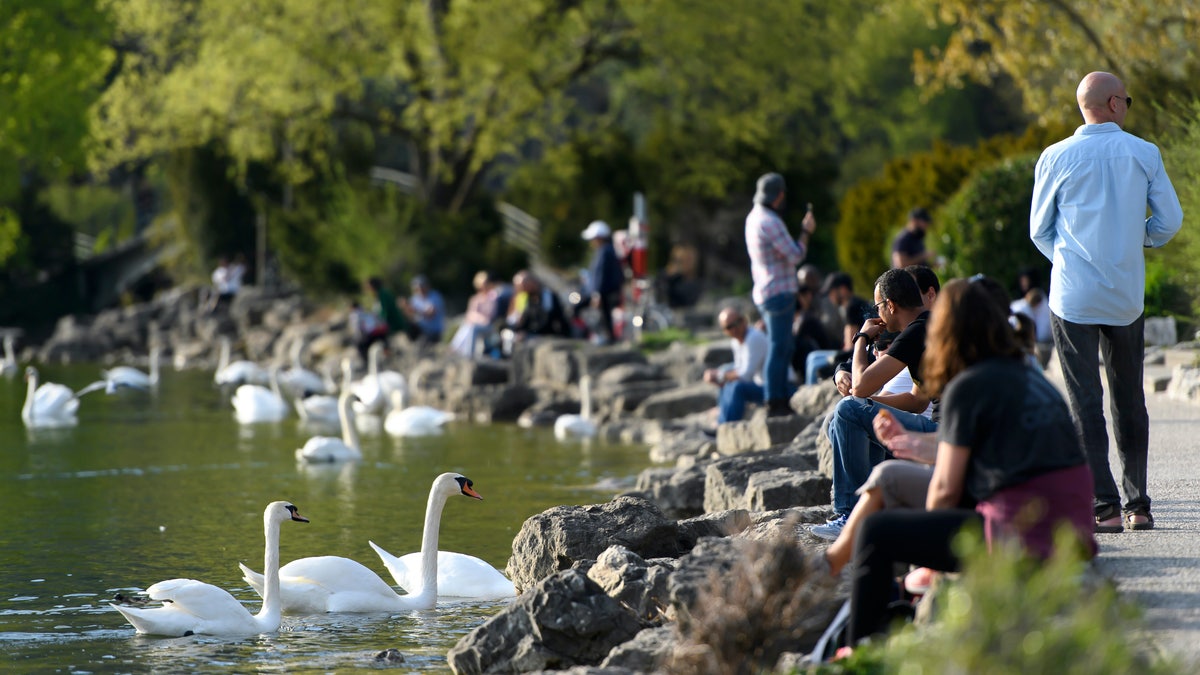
238 372
321 408
420 420
48 405
193 607
334 584
320 449
458 575
374 390
8 367
126 377
581 425
298 380
256 403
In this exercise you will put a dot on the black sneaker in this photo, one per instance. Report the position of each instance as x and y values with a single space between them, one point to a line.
779 408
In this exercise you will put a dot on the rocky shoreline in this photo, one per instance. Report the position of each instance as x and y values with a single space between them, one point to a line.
615 587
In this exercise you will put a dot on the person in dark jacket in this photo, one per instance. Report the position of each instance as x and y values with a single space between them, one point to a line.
607 277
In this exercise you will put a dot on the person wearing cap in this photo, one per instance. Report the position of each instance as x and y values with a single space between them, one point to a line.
908 248
774 255
427 310
606 275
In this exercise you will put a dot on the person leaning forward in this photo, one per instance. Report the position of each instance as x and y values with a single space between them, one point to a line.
1091 193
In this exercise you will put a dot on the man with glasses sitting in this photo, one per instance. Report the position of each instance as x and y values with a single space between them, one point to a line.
741 381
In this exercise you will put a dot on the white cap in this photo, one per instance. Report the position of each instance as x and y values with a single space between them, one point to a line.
597 228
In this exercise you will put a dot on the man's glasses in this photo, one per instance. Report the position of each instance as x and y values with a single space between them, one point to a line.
1128 100
731 325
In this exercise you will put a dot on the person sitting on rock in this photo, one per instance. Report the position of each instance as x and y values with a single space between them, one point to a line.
740 381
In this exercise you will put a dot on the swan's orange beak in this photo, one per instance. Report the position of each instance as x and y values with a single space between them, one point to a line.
296 514
470 492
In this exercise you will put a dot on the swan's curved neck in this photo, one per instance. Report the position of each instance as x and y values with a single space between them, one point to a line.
585 397
271 610
27 409
429 539
274 375
10 355
154 366
346 415
373 360
223 358
297 347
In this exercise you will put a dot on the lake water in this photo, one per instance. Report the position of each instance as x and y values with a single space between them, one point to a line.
152 487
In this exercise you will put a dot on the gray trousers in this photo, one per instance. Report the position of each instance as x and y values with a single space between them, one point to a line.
1123 350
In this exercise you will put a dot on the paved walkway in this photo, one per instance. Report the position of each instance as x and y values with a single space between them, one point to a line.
1160 569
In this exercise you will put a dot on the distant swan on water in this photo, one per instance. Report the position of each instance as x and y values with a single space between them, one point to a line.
328 449
581 425
48 405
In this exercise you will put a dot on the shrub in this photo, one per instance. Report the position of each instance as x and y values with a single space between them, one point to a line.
1181 257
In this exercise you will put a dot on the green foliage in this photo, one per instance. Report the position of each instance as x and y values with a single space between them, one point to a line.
984 227
873 211
1179 260
10 234
95 210
657 341
1006 615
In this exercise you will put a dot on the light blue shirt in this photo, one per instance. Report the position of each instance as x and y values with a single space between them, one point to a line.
1090 196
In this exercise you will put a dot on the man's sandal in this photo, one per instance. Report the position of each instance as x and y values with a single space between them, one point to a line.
1109 522
1139 521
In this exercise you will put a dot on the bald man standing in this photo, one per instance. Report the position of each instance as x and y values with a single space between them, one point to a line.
1091 194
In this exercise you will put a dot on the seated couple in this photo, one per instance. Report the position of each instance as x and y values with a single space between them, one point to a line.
1007 460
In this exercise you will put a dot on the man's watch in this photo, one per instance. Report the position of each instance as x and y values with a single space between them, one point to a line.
862 335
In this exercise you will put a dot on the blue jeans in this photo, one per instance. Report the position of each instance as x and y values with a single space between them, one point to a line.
816 360
856 449
734 397
777 312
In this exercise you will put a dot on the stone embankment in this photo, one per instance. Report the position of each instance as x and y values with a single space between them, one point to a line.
603 586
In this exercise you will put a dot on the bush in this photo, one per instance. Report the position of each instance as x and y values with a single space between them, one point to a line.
984 227
1179 260
873 211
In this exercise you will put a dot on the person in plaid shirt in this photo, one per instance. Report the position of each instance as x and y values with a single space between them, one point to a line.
774 256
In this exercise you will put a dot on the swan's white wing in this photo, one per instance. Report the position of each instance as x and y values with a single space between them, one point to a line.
319 408
459 575
54 400
125 376
242 372
573 426
330 584
300 380
416 421
255 403
190 606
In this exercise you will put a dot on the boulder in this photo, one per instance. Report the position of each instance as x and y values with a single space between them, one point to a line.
643 654
1160 330
759 432
1185 384
627 397
678 492
675 444
495 403
565 620
813 401
554 539
639 585
600 360
729 485
679 402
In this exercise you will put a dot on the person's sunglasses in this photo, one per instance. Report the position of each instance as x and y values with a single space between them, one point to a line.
1128 100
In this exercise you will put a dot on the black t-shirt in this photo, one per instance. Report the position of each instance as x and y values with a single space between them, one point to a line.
909 242
1014 421
909 346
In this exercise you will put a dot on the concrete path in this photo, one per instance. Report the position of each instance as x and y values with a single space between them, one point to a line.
1159 569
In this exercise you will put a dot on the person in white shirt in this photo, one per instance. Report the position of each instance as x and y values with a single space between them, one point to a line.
1091 194
741 382
1034 306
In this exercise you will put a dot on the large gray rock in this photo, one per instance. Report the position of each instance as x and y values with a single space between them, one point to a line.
644 653
566 620
600 360
679 402
813 401
672 445
759 433
628 397
556 538
1185 383
789 479
496 403
628 578
1160 330
678 492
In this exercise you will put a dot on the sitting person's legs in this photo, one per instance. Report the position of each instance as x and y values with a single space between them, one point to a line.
895 536
734 397
815 361
894 483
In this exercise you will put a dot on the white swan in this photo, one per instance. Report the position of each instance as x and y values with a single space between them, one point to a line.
334 584
8 367
298 380
126 377
581 425
322 408
419 420
49 405
458 575
375 389
194 607
327 449
238 372
256 403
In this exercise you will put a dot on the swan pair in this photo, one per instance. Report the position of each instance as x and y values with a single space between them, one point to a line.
193 607
336 584
375 389
49 405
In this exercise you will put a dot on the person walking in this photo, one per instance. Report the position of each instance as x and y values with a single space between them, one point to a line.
774 255
1091 193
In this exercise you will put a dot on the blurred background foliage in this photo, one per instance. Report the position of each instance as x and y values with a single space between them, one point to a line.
198 121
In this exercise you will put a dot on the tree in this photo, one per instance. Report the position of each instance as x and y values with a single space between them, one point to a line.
1046 47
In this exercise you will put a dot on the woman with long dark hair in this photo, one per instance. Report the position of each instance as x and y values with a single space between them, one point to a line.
1008 458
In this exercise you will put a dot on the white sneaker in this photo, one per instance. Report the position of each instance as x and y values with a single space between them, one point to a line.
830 530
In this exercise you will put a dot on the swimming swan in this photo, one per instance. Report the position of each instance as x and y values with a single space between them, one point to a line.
48 405
8 367
194 607
255 403
374 390
328 449
298 380
458 575
581 425
419 420
322 408
335 584
238 372
126 377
